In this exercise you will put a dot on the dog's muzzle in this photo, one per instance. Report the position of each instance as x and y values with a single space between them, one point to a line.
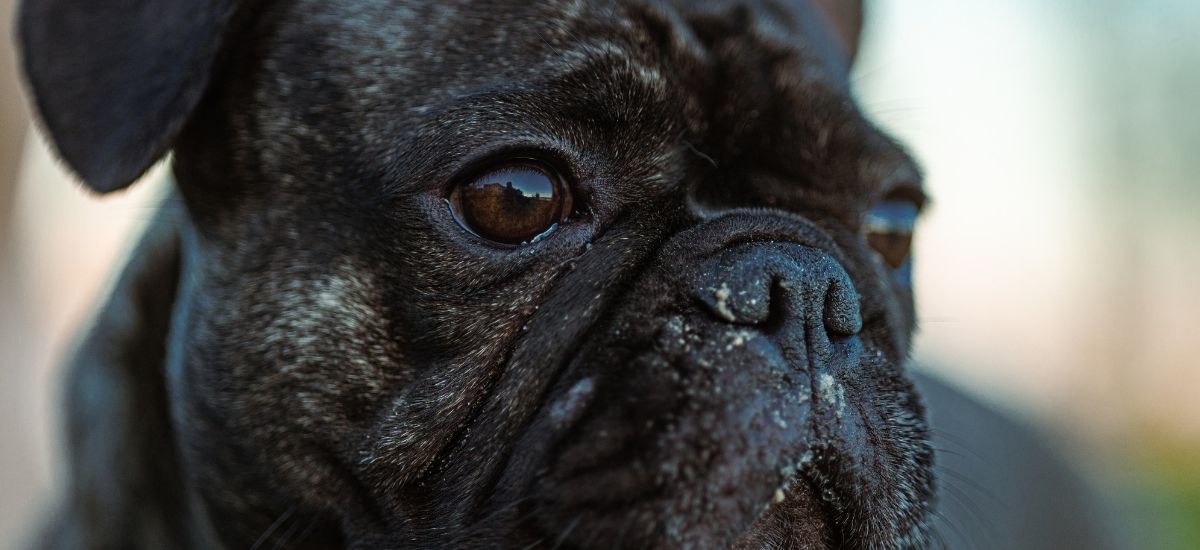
701 403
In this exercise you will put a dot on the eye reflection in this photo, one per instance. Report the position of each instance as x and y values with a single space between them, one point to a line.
889 230
513 203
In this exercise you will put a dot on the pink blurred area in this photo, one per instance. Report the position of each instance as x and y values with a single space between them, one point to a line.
1057 266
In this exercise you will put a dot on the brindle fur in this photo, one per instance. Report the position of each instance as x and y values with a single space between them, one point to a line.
307 351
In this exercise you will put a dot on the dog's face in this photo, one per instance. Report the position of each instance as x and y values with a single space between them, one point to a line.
591 274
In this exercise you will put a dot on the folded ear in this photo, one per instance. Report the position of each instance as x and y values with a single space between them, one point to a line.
115 80
846 19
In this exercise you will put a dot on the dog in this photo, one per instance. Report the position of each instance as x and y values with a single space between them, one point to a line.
467 274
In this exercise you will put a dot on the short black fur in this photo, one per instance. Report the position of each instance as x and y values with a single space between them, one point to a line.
709 354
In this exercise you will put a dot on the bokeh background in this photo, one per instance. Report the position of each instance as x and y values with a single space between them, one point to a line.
1057 269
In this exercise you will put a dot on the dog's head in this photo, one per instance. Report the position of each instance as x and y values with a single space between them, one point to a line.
498 273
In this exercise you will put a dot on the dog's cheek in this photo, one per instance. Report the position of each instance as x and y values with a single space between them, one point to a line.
296 363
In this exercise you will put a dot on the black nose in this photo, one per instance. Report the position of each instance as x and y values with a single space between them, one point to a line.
781 286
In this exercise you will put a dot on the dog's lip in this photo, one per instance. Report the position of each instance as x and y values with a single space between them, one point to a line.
838 496
619 472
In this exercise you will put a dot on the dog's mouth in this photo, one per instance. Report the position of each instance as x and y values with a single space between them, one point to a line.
710 438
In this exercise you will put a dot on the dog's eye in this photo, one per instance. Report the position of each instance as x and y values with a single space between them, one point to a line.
889 230
513 203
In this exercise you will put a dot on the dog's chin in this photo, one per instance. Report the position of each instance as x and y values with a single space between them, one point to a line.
799 519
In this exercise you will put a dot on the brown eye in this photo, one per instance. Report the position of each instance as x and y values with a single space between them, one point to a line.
513 203
889 230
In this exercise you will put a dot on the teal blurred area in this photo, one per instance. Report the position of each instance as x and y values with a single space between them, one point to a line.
1057 267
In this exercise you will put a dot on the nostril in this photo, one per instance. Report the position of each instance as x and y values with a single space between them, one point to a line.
777 307
843 314
768 285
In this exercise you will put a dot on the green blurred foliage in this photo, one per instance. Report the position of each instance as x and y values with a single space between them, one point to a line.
1173 483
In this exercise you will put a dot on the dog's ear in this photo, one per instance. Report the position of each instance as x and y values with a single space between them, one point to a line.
115 80
846 19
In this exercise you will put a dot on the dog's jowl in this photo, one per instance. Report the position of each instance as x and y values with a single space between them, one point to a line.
489 274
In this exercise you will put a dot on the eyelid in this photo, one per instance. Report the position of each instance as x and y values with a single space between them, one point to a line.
893 216
546 152
910 193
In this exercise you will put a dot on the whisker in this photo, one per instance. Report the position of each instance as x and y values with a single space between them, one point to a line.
502 509
271 529
286 536
701 154
959 442
532 545
624 531
976 514
566 532
973 485
946 520
306 532
937 535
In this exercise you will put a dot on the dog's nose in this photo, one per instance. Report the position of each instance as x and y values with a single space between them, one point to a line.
678 431
776 285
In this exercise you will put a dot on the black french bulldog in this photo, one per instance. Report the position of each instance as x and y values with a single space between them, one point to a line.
489 274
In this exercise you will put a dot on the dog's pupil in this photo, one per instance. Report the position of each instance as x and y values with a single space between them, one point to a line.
511 204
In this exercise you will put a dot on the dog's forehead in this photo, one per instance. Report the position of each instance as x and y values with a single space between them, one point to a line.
440 50
759 86
411 53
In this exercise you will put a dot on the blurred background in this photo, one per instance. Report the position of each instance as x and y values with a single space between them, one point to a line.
1057 269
